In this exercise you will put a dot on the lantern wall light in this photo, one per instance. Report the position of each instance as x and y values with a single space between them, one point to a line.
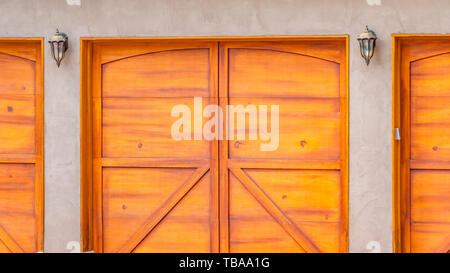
59 44
367 41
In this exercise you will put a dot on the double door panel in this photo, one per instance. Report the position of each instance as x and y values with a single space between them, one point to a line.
153 193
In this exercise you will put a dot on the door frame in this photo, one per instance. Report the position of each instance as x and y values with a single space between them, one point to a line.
400 168
32 49
86 123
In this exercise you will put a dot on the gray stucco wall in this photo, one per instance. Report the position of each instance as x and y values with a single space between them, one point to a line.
370 87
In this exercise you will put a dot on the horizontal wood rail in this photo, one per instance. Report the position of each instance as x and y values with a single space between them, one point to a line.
285 164
153 162
429 164
18 158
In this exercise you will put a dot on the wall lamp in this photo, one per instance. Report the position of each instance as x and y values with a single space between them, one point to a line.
59 44
367 41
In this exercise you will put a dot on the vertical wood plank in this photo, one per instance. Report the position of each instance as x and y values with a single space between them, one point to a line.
223 153
405 152
39 166
214 164
97 150
86 185
344 142
396 149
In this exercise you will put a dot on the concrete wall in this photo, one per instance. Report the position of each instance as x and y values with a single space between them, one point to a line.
370 87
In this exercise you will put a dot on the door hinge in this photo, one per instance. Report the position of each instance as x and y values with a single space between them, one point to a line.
397 134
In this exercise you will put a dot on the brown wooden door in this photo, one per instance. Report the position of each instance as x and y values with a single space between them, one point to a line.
152 193
21 145
155 194
291 199
424 105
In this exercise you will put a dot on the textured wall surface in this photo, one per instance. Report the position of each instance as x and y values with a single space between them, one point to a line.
370 87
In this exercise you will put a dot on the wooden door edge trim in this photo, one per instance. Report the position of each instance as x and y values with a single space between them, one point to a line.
396 155
345 156
261 38
86 134
22 39
40 159
86 185
419 35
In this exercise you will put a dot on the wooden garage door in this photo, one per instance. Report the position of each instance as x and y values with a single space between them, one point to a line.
425 144
21 144
155 194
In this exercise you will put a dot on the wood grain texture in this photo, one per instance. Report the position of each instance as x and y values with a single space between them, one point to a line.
252 228
21 145
276 73
430 128
172 73
18 75
303 195
17 207
285 222
134 127
421 68
430 196
17 105
3 247
426 80
149 209
17 124
130 196
309 129
430 237
186 228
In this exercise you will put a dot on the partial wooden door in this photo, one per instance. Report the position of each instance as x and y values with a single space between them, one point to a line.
423 105
293 198
151 192
21 145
